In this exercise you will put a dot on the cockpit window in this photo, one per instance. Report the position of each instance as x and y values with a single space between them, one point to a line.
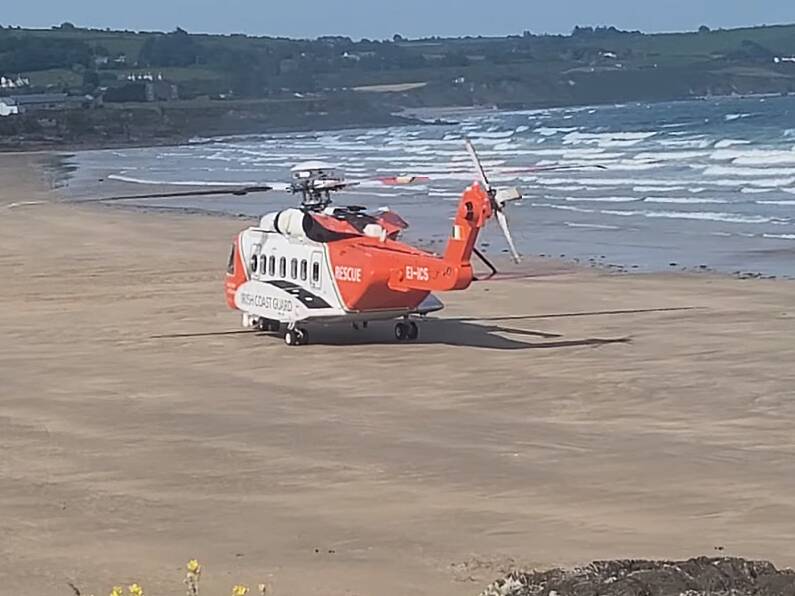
230 266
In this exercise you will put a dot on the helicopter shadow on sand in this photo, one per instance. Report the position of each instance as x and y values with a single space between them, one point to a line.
456 332
477 332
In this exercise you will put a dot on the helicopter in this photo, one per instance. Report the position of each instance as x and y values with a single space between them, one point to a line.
323 264
320 263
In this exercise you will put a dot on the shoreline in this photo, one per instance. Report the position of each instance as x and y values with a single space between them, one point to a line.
407 116
593 263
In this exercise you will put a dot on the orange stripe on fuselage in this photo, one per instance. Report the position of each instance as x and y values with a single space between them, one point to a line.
361 268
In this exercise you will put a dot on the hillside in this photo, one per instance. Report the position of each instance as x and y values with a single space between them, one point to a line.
379 77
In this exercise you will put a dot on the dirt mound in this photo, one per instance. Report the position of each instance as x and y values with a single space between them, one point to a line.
696 577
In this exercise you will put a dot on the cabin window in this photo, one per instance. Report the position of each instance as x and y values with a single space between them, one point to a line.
283 267
263 264
294 269
272 266
315 271
230 266
303 270
254 262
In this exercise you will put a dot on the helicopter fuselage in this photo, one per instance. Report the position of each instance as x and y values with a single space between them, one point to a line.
298 266
291 279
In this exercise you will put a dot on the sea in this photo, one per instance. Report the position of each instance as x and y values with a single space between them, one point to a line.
706 184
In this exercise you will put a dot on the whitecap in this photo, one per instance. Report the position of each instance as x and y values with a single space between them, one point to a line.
780 236
739 171
604 199
644 189
730 142
697 215
683 200
572 224
780 203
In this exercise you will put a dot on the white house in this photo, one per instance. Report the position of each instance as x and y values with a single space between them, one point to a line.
8 107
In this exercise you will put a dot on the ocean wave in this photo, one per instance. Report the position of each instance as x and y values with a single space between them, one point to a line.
562 207
779 236
783 203
671 155
604 199
730 143
697 215
684 200
757 191
572 224
755 157
643 189
744 172
615 139
549 132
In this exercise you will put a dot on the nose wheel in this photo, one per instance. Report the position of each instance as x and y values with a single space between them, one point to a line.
406 331
296 337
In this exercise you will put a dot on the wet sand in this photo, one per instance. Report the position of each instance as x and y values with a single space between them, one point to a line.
547 420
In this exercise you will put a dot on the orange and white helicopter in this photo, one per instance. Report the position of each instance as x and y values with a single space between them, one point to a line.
324 264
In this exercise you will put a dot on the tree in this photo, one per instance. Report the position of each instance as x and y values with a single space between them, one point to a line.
178 48
704 29
397 38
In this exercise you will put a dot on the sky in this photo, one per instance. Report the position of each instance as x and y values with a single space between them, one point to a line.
376 19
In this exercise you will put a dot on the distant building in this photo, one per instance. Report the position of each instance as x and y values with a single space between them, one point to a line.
160 90
14 82
41 102
8 107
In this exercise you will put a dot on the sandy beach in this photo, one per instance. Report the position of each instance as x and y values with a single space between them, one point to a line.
547 420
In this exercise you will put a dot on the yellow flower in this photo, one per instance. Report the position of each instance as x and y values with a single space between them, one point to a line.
194 567
136 590
117 591
239 590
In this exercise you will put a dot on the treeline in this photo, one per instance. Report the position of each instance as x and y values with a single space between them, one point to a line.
455 69
21 53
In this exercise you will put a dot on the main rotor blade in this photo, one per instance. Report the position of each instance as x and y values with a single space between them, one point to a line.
403 180
503 221
478 166
176 195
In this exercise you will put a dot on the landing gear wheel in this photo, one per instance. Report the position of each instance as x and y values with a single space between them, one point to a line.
296 337
402 331
303 336
414 331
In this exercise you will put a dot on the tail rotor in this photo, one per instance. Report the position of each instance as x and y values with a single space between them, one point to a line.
500 197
